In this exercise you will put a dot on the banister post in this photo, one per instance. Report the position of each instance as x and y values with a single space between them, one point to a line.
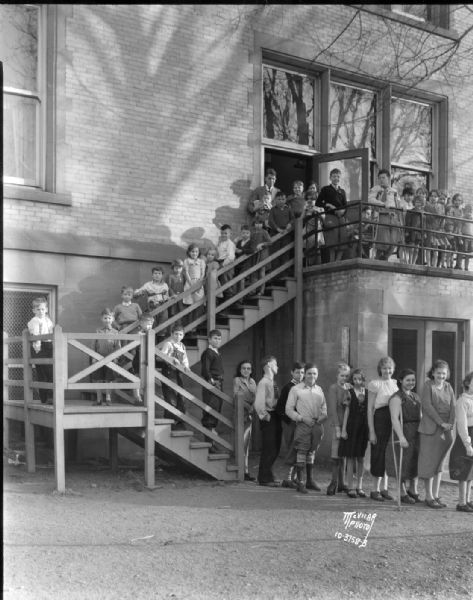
28 398
60 353
239 438
298 300
211 299
6 389
147 349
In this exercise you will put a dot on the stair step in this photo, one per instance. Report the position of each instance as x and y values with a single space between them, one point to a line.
182 433
222 456
197 445
232 467
164 421
278 288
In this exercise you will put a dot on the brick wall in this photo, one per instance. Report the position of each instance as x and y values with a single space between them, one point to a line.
158 112
363 300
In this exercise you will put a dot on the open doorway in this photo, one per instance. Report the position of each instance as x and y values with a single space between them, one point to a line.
289 167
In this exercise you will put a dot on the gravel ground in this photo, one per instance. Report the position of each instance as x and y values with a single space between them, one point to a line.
193 538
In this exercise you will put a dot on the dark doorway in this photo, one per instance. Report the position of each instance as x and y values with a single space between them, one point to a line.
288 167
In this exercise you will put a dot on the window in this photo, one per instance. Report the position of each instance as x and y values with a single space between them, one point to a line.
435 14
352 118
288 106
23 96
308 109
411 142
33 82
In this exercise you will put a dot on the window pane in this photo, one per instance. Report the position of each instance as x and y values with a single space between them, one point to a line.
352 119
19 45
411 133
19 138
416 11
401 177
288 100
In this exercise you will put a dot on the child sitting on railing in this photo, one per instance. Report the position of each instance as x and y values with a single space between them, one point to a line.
104 347
39 325
157 292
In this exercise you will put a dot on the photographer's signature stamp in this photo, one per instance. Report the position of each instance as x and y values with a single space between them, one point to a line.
357 527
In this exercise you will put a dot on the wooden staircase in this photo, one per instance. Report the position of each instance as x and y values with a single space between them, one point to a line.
182 445
232 316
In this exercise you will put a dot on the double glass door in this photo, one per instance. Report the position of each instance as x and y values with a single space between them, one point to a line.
416 343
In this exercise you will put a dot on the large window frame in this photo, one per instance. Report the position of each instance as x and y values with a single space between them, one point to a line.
290 55
49 185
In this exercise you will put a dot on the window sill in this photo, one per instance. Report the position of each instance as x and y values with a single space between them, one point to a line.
425 26
18 192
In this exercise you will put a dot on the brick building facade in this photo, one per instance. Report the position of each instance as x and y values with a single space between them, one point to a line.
153 130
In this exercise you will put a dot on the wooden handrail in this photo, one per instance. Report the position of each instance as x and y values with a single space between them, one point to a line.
192 376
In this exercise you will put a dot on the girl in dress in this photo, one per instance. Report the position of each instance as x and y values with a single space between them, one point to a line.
461 456
405 410
194 271
355 432
213 265
436 424
244 391
379 423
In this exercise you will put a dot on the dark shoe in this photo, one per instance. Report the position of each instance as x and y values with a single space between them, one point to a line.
441 504
270 483
407 500
342 488
311 485
415 497
464 508
376 496
287 483
351 494
213 450
386 495
301 488
432 504
331 488
248 477
360 493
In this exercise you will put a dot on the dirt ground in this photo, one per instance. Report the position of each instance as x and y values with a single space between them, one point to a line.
194 538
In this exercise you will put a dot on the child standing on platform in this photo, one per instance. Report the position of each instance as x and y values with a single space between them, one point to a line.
212 371
127 312
157 293
355 433
104 347
338 395
41 324
281 216
296 201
